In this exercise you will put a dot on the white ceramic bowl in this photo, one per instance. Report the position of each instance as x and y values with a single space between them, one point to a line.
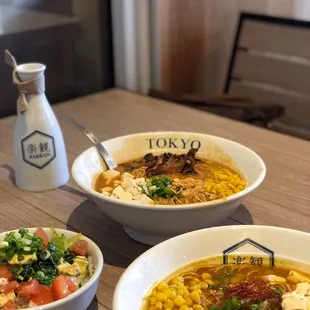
249 243
153 224
82 298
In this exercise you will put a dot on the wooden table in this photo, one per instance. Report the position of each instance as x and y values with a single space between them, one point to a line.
282 200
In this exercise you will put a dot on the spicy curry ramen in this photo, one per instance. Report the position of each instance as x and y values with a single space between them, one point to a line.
170 179
231 287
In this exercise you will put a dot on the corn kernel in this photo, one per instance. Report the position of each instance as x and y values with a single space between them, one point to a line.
184 307
179 301
197 307
223 177
151 308
173 294
185 292
206 275
195 297
217 187
196 280
169 304
194 287
192 282
162 287
231 186
161 297
203 285
153 301
188 301
177 280
158 306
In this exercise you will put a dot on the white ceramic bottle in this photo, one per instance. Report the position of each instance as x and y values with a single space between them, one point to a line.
39 149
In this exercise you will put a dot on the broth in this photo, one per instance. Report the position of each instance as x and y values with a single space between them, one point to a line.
232 286
171 179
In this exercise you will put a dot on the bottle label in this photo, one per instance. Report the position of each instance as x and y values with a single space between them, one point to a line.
38 149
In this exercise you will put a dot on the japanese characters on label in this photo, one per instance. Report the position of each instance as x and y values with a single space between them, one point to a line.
253 260
38 149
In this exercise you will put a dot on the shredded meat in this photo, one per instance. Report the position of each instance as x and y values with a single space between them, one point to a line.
254 290
165 163
171 163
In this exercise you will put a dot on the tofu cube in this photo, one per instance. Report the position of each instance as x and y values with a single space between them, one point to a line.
144 199
126 196
118 191
303 289
140 181
126 176
111 174
134 190
128 183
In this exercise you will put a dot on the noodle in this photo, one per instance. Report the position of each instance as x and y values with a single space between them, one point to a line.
210 180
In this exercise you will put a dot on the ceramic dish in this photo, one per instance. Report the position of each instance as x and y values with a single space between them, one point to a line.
231 244
153 224
81 298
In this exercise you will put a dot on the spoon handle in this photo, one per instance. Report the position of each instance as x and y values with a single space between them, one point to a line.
100 148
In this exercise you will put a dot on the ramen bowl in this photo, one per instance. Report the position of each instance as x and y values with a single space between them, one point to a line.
152 224
235 245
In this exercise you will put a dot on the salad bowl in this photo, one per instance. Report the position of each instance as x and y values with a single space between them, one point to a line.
27 271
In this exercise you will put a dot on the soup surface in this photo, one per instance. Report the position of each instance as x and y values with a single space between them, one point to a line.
229 287
170 179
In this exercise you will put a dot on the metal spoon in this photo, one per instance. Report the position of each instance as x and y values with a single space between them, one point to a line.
100 148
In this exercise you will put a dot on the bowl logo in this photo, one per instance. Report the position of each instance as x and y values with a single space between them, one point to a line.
38 149
173 143
248 251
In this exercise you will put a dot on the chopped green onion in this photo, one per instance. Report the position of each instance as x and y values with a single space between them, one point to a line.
27 241
27 248
4 244
45 255
40 273
17 235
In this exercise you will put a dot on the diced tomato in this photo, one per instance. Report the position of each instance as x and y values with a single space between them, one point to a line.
7 288
80 248
29 288
42 234
62 287
10 305
5 272
44 297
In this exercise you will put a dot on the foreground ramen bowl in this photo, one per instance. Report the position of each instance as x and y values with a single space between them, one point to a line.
230 244
152 224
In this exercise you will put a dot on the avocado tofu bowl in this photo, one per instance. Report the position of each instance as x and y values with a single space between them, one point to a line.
45 268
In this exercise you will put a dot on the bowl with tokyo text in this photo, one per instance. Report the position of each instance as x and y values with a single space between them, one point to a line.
169 183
